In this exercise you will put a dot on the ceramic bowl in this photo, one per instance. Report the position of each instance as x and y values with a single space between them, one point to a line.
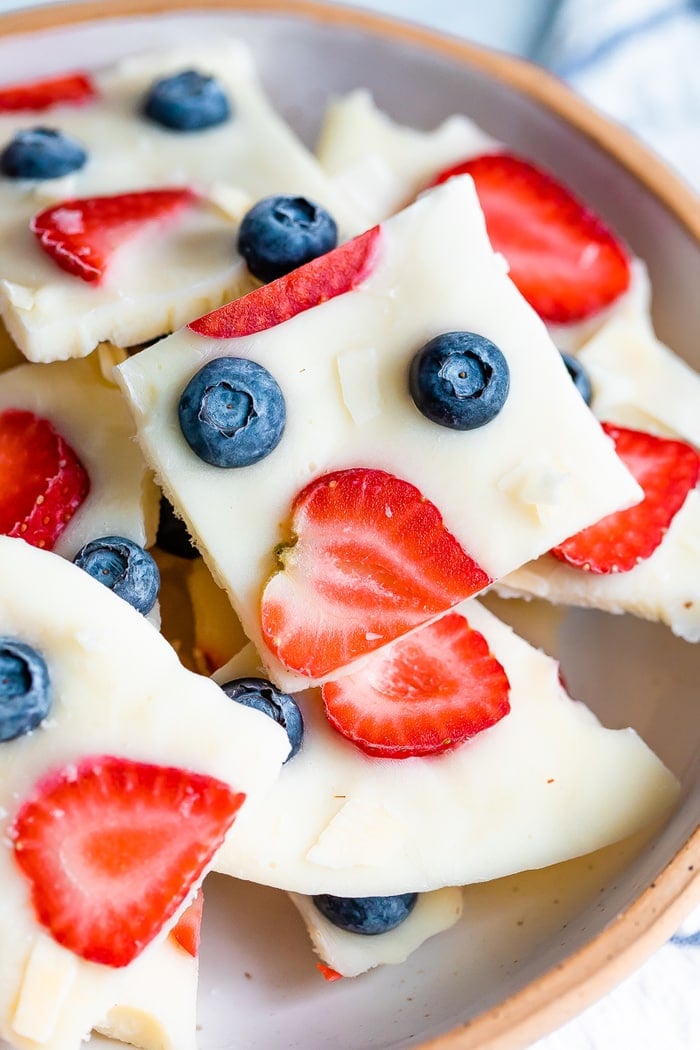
533 949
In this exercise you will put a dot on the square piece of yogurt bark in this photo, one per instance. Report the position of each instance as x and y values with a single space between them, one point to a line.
120 775
641 386
367 517
490 768
179 257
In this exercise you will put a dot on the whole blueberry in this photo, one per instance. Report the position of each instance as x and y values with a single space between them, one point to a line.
366 915
25 694
127 569
459 380
579 375
265 697
41 153
232 412
280 233
187 101
172 535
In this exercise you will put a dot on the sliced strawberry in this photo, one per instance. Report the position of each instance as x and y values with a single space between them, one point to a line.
42 481
667 471
113 847
80 235
564 260
332 274
328 973
371 559
72 89
188 928
424 694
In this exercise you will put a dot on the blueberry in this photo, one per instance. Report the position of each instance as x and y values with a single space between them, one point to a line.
459 380
25 694
265 697
187 101
579 376
127 569
41 153
366 915
280 233
232 412
172 535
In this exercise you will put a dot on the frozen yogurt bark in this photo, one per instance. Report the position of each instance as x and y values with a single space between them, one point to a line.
108 742
180 257
382 164
572 270
639 383
345 953
544 781
112 492
423 514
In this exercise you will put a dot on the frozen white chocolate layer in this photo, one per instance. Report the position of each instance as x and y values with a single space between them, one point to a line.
637 382
381 164
118 689
89 412
351 954
150 1003
534 475
545 784
158 281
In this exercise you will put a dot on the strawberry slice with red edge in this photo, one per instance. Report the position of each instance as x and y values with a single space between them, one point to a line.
72 89
81 235
187 930
328 973
325 277
42 481
112 848
666 470
562 257
422 695
371 559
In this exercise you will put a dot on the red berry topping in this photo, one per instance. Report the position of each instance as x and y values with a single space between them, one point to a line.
42 481
72 89
424 694
667 471
371 559
81 235
188 928
564 260
113 847
328 973
332 274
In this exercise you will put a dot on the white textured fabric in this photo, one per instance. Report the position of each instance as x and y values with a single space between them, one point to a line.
638 61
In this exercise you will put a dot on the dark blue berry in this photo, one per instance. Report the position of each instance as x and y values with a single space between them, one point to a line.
127 569
579 376
459 380
25 694
265 697
187 101
232 412
41 153
280 233
366 915
172 535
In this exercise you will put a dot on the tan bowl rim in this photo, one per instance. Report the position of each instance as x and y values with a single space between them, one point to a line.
651 919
